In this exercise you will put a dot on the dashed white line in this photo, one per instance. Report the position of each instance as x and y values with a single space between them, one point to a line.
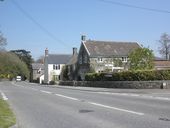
96 104
92 103
163 98
46 91
134 95
71 98
119 109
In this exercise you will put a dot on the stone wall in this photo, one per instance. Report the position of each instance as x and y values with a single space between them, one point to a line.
120 84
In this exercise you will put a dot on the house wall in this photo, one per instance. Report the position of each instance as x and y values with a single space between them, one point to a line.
41 79
56 72
82 62
102 64
72 71
36 75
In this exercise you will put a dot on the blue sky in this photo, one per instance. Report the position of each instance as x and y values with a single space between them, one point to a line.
58 24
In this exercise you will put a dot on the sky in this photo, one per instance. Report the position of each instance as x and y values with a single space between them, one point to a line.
35 25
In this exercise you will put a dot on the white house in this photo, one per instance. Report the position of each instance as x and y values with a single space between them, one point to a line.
53 65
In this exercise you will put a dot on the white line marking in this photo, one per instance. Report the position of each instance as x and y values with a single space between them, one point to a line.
4 96
134 95
119 109
34 89
71 98
162 98
46 91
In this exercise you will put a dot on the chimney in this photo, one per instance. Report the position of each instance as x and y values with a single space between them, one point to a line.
74 51
83 38
46 52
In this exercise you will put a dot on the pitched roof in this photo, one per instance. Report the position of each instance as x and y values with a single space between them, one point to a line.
160 63
73 59
108 48
58 58
37 66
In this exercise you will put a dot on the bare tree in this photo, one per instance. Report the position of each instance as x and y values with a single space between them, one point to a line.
3 41
40 59
164 48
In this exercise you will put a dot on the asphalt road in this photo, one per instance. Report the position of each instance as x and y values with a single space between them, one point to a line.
80 107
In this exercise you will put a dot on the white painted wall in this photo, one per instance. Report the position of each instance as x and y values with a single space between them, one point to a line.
52 72
41 79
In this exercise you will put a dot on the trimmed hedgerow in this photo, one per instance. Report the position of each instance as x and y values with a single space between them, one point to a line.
130 76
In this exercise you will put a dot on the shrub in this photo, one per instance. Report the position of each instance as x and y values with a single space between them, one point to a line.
52 82
148 75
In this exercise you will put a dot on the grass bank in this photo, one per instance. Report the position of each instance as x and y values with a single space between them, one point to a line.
7 117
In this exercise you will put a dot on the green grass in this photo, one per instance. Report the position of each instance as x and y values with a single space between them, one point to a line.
7 117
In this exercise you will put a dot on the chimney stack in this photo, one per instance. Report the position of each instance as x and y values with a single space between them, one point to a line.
74 51
46 52
83 38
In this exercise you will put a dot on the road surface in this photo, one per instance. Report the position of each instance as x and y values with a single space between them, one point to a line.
79 107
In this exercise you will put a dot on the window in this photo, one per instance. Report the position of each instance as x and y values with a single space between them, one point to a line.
85 58
124 59
56 67
80 60
99 59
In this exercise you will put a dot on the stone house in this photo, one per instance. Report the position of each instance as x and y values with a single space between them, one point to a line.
53 65
37 72
103 56
161 64
72 65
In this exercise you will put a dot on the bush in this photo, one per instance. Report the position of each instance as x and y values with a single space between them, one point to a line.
130 76
52 82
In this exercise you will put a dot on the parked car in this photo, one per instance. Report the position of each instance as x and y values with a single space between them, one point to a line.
18 78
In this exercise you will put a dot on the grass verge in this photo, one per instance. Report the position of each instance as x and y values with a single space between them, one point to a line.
7 117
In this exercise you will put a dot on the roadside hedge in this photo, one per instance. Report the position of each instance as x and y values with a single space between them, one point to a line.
130 76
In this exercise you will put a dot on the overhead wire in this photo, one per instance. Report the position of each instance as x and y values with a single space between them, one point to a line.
134 6
40 26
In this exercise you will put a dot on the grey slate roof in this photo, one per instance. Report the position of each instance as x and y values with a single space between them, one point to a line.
58 58
108 48
37 66
73 59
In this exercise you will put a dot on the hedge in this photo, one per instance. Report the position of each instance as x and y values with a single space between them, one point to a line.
130 76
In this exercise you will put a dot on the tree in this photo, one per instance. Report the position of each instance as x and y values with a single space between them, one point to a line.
11 66
141 59
3 41
24 56
164 48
